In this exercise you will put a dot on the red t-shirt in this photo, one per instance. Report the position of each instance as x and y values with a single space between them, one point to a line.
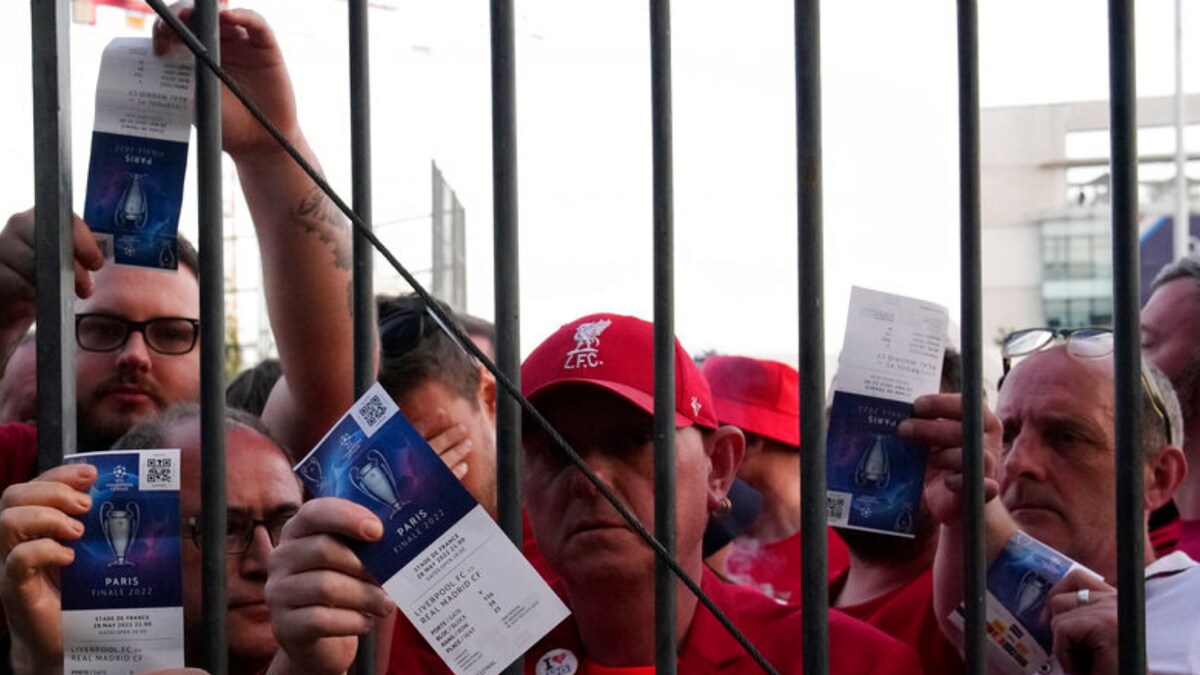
18 453
906 613
774 628
412 654
1189 538
774 568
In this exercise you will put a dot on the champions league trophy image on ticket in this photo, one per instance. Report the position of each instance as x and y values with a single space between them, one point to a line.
120 529
133 207
873 469
374 478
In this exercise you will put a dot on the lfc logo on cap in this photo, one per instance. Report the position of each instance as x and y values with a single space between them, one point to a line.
557 662
587 344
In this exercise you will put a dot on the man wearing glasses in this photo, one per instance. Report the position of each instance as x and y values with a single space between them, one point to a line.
1050 451
262 495
136 329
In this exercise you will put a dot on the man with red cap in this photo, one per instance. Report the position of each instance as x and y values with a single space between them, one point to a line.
593 380
762 398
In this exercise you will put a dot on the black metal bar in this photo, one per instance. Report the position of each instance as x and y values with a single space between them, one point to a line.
1131 593
664 334
814 581
53 232
364 300
212 343
506 275
974 558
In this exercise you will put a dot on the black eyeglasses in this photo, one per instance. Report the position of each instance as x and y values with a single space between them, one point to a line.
172 335
1089 343
239 531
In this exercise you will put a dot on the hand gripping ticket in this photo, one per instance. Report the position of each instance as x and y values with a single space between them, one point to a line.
442 559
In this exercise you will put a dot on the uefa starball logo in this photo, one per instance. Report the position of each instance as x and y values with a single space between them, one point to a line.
587 345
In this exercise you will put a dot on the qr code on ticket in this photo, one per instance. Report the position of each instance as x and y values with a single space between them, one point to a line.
159 471
373 409
837 507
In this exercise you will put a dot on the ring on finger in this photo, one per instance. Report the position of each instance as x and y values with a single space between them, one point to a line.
1083 597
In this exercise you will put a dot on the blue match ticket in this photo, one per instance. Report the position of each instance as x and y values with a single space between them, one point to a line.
892 354
122 607
1017 624
445 562
139 153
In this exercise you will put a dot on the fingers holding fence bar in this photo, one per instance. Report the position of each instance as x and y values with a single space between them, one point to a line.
52 223
974 560
1131 593
212 343
363 296
814 588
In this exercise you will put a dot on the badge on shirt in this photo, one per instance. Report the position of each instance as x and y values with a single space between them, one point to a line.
557 662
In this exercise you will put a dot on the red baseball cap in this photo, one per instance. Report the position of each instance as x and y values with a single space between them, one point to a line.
761 397
616 353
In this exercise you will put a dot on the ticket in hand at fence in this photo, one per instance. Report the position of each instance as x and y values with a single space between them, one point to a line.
139 153
1017 624
445 562
122 606
892 354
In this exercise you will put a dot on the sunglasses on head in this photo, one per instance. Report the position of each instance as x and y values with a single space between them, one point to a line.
1088 343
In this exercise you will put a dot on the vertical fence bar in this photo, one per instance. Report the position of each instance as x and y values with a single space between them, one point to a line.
1131 595
664 334
974 559
212 342
506 274
814 582
364 302
50 25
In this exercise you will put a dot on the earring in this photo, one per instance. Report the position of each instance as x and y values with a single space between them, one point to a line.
725 507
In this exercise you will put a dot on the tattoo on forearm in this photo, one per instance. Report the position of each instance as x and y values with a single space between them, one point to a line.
315 213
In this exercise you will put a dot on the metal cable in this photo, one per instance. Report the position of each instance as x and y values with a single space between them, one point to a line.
450 325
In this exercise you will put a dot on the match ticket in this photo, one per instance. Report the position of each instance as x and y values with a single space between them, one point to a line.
139 153
122 605
1018 627
892 354
445 562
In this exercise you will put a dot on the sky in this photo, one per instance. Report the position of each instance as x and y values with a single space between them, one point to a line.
889 140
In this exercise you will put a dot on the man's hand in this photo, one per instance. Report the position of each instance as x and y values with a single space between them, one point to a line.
320 596
448 440
937 424
18 294
251 56
35 517
1085 634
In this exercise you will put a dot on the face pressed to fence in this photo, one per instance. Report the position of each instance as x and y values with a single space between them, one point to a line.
581 535
259 486
478 417
116 389
1058 460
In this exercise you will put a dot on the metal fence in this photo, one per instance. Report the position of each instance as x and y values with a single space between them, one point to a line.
56 384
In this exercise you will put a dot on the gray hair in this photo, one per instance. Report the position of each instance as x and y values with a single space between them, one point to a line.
1187 267
1154 436
151 432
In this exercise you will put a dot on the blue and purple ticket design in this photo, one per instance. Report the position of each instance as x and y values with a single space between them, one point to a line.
442 559
1019 580
122 604
892 354
139 153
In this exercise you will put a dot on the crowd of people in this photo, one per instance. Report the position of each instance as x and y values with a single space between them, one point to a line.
299 598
